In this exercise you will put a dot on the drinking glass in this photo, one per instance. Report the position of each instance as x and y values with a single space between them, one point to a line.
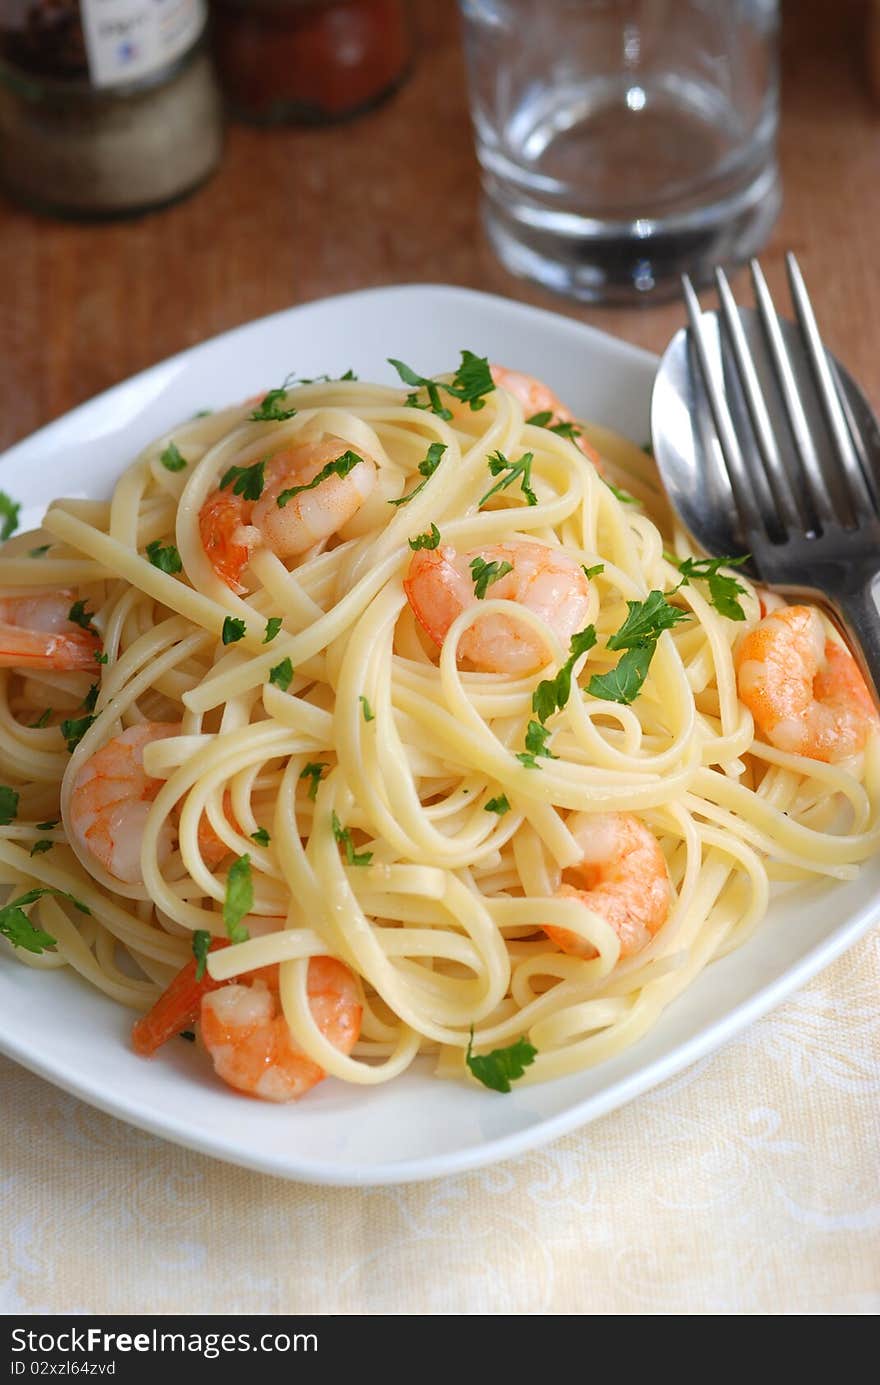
624 142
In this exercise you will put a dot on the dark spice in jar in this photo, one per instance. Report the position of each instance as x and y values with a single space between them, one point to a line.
309 61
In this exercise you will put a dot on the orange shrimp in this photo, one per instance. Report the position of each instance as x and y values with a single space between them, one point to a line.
110 802
621 876
250 1042
537 398
35 632
440 585
177 1007
231 527
803 689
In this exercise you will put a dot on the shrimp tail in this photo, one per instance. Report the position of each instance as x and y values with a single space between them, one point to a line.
177 1007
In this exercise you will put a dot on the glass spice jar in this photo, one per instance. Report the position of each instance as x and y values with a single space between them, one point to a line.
309 61
107 107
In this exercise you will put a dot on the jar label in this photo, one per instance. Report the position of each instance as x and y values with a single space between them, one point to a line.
130 39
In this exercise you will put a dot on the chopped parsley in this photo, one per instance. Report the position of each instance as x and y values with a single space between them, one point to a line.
431 539
73 730
270 408
369 714
552 694
101 658
314 771
484 574
40 551
8 805
724 591
340 467
233 630
201 942
426 468
246 481
239 898
90 701
47 826
165 559
593 571
499 805
39 847
521 471
9 512
503 1065
261 837
623 496
273 625
471 382
281 675
17 927
79 615
343 837
638 635
536 740
42 720
171 458
562 429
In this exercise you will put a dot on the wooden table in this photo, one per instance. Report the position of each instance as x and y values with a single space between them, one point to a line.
294 215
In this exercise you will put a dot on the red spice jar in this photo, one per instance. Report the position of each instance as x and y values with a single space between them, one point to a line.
309 61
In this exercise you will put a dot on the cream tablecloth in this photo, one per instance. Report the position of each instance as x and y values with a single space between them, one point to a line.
747 1185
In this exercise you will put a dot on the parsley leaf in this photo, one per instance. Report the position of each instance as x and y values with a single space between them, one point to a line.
552 694
623 496
563 429
503 1065
43 719
9 510
246 481
471 382
101 658
261 837
273 625
90 700
201 942
343 837
340 467
724 591
540 420
79 615
281 674
592 571
40 551
8 805
17 927
499 805
536 740
484 574
239 898
165 559
269 409
431 539
233 630
521 470
47 826
314 771
623 682
171 458
73 730
369 714
426 468
39 847
645 621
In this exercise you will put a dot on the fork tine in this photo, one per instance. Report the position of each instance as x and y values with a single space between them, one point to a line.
731 453
829 390
783 496
785 375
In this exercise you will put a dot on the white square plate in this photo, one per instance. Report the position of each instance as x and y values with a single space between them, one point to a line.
415 1127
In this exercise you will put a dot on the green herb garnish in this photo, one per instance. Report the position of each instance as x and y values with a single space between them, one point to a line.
369 714
39 847
593 571
73 730
343 837
426 468
8 805
171 458
246 481
165 559
9 510
281 675
233 630
201 942
340 467
273 625
270 410
79 615
552 694
499 805
431 539
314 771
521 471
484 574
503 1065
471 382
724 591
40 551
261 837
239 898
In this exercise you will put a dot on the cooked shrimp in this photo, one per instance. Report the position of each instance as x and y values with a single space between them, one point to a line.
804 690
177 1007
621 876
250 1041
538 398
35 632
231 527
111 800
440 585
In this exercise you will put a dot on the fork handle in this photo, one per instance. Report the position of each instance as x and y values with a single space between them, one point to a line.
859 612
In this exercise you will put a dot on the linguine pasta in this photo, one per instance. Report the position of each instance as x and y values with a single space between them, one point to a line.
323 736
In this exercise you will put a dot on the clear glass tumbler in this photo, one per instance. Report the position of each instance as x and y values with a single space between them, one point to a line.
624 142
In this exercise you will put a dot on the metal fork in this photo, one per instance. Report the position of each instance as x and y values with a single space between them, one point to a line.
775 455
